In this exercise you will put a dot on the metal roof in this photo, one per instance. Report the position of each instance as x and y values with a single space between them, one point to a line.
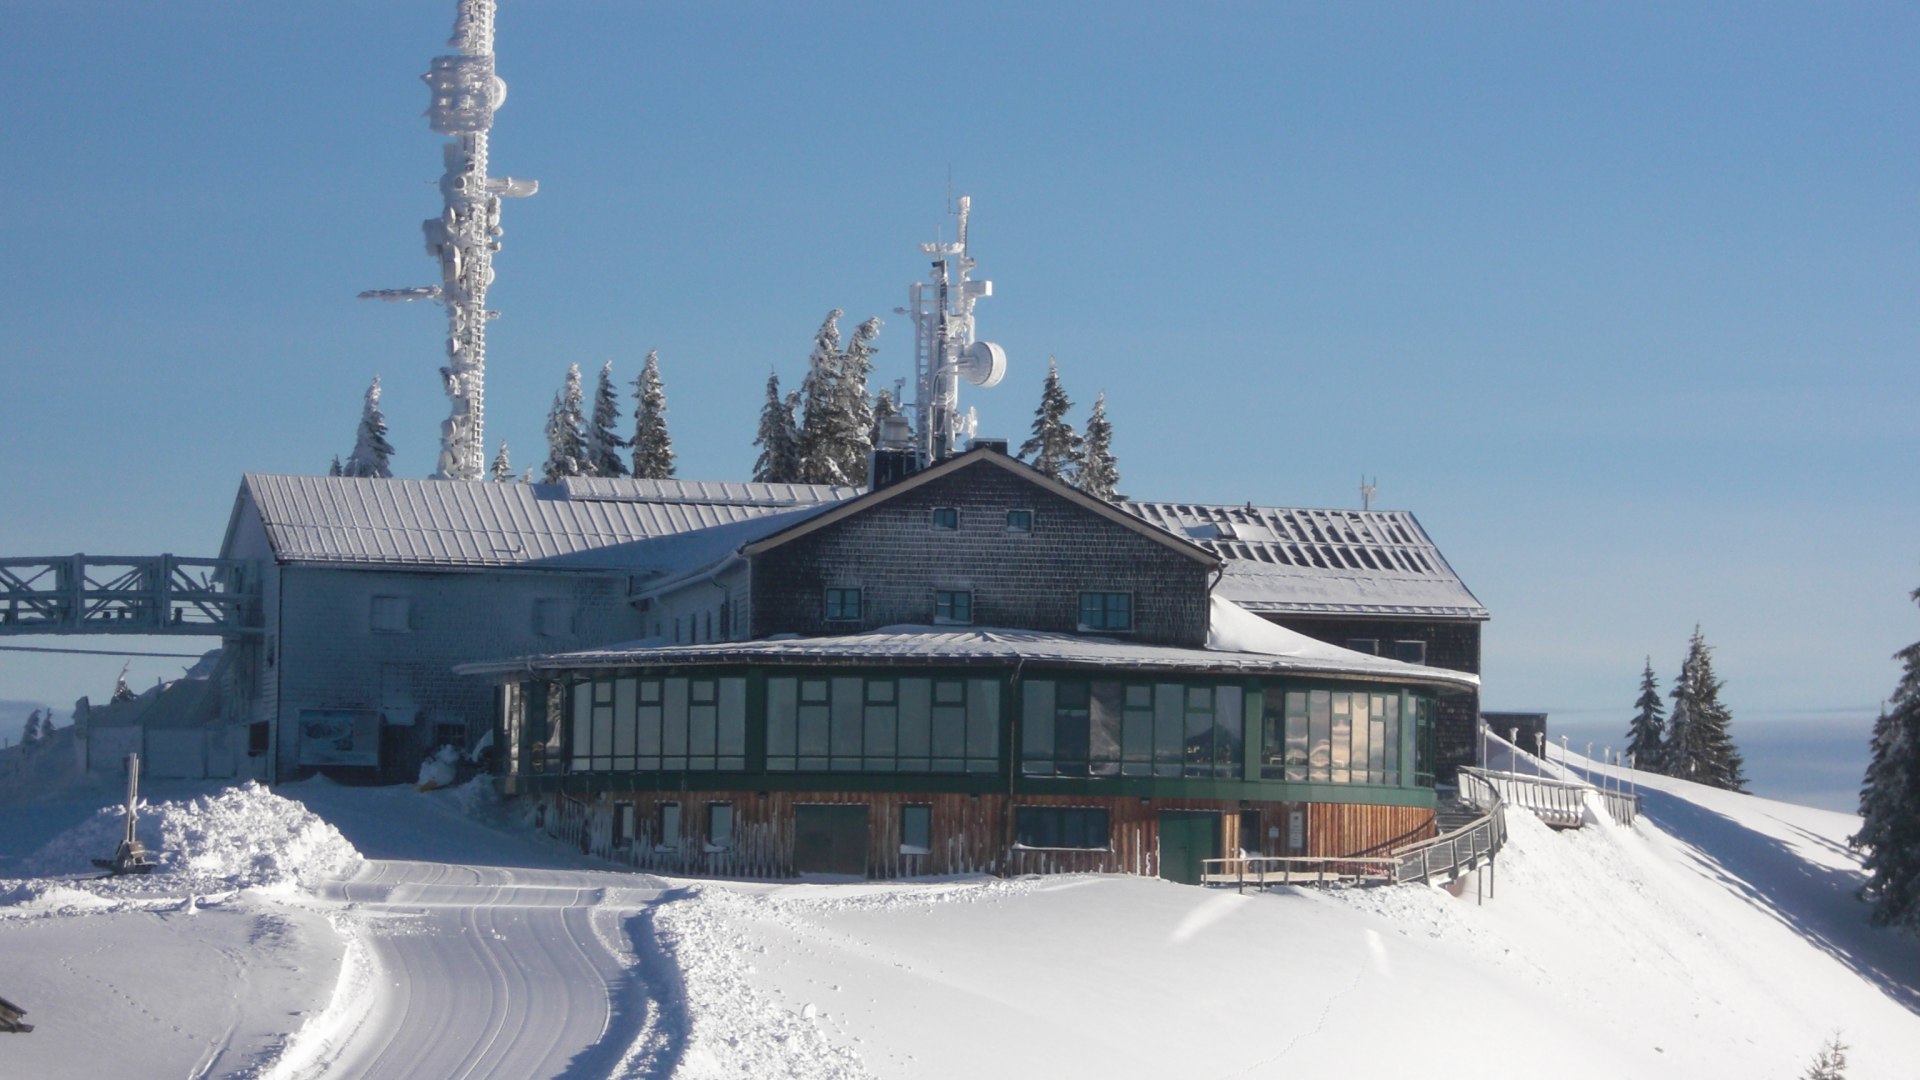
946 645
1282 560
579 524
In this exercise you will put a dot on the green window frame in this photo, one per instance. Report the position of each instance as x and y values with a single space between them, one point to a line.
842 605
1073 828
1106 611
952 606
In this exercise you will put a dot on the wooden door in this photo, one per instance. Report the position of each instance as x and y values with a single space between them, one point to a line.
1187 838
830 840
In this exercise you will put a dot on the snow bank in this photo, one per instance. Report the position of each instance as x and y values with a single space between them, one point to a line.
732 1029
241 837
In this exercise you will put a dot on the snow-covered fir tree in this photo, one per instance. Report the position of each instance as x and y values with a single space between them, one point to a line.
33 734
853 404
1099 472
121 691
501 470
1055 448
652 447
335 469
603 446
883 407
1647 731
819 396
566 445
778 438
1699 744
370 447
1890 802
1830 1063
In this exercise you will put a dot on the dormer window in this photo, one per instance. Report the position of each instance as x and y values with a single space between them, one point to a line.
952 606
1019 521
946 517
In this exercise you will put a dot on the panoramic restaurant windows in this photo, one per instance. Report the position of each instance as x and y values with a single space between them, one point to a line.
855 724
1102 728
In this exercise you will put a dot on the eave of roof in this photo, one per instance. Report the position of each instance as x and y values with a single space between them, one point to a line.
946 646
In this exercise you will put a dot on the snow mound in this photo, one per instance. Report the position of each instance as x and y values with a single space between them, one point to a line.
241 837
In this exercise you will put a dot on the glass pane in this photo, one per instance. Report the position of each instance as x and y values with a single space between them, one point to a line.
733 716
782 717
1229 719
670 825
916 827
983 719
813 730
846 717
1169 729
1036 727
1103 729
1197 732
625 701
1342 743
1319 735
1136 734
720 824
603 730
880 728
673 734
1391 735
949 731
915 719
703 723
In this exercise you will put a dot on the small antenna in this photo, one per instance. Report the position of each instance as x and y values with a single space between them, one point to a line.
1367 488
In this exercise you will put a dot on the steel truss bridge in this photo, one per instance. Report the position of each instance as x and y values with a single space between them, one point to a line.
138 594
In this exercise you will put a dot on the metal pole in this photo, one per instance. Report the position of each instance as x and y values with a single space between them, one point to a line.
1589 768
1513 737
1606 752
1540 744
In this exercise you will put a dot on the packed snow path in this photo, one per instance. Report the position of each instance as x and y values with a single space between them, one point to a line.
483 970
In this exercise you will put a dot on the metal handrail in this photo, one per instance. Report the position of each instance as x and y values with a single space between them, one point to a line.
1448 856
1552 799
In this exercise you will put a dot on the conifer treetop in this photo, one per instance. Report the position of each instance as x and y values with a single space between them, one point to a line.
652 447
370 447
1054 447
603 446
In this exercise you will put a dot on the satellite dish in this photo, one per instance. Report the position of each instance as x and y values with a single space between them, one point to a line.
983 364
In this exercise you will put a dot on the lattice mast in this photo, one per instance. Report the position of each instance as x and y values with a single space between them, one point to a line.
944 349
465 94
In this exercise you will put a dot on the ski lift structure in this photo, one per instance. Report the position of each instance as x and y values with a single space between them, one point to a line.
131 857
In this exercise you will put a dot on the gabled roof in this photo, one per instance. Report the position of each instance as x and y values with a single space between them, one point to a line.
984 456
581 523
1280 560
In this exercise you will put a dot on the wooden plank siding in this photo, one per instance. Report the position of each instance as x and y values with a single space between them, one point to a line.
970 833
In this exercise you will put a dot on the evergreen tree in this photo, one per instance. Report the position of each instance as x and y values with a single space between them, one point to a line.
566 446
1055 449
603 446
1830 1063
819 394
1890 802
501 470
1646 733
853 415
334 469
779 438
1699 743
370 447
883 407
32 734
652 447
1098 473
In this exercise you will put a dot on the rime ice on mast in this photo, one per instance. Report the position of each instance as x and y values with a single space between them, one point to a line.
944 349
467 233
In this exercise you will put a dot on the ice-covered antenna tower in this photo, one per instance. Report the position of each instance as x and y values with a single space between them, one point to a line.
944 349
467 233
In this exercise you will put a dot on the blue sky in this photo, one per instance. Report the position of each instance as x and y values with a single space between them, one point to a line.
1619 299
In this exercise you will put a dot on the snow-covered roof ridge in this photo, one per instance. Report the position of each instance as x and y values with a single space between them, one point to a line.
1305 561
1234 647
582 523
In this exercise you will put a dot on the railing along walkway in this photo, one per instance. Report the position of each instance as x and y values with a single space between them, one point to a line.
1559 803
1443 858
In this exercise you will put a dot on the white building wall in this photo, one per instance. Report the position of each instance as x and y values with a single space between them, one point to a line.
325 654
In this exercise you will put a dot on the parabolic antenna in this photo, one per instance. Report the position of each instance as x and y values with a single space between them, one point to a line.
984 363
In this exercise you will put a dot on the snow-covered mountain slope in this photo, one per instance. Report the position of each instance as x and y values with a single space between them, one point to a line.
1717 938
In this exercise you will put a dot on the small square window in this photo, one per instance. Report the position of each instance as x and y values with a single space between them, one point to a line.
389 615
1020 521
916 830
1368 645
952 606
946 517
622 825
1412 652
843 605
1106 611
